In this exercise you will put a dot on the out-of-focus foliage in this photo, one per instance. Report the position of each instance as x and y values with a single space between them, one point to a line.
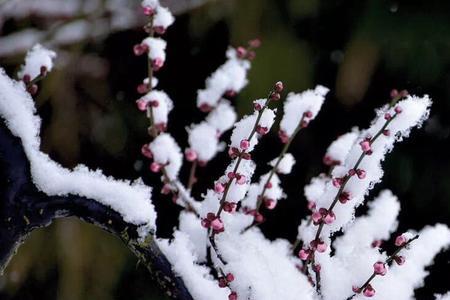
359 48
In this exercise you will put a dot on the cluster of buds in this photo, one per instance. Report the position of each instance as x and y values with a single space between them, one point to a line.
367 291
32 87
323 215
258 217
240 179
277 89
358 172
307 254
214 222
234 152
225 280
396 95
248 52
143 48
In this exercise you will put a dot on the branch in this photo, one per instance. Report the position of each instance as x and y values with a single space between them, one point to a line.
24 208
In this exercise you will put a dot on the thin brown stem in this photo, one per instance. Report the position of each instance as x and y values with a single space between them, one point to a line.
192 178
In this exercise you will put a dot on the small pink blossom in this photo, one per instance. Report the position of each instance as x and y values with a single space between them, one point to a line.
245 144
400 260
279 87
232 296
400 241
361 173
217 224
155 167
303 254
191 155
379 268
270 203
219 187
145 150
369 291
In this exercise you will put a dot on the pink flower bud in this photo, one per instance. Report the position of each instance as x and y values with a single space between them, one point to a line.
337 182
43 71
279 87
231 175
190 154
311 205
229 277
145 150
257 106
33 89
304 124
344 197
316 268
141 104
329 218
255 43
379 268
155 167
159 30
316 217
387 116
386 132
394 93
157 63
166 189
229 207
241 52
205 107
217 224
275 96
303 254
26 78
230 93
154 103
269 185
223 282
270 203
369 291
210 216
404 93
244 144
140 49
365 146
361 173
400 241
232 296
356 289
308 114
241 179
206 223
283 136
400 260
321 247
259 218
261 130
398 109
219 187
161 127
142 88
377 243
148 11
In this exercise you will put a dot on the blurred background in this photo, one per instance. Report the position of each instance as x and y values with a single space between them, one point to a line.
361 49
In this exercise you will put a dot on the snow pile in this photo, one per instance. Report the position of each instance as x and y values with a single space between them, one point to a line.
156 48
161 106
38 60
131 200
303 105
230 77
285 165
167 153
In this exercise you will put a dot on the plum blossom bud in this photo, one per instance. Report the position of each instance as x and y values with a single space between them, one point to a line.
316 268
304 124
261 130
43 71
400 260
219 187
140 49
217 224
387 116
400 241
241 179
303 254
283 136
311 205
369 291
394 93
205 107
377 244
241 52
33 89
344 197
329 218
257 106
386 132
275 96
356 289
308 114
398 109
159 30
365 146
337 182
148 11
321 247
232 296
142 88
230 277
270 203
279 87
244 144
231 175
26 78
404 93
165 190
155 167
157 63
190 154
316 217
361 173
255 43
141 105
223 282
259 218
269 185
145 150
379 268
229 207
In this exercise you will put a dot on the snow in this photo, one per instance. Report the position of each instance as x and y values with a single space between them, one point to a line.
339 149
244 127
203 140
165 105
166 152
222 117
443 297
163 18
231 76
37 58
130 199
285 165
296 105
157 48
